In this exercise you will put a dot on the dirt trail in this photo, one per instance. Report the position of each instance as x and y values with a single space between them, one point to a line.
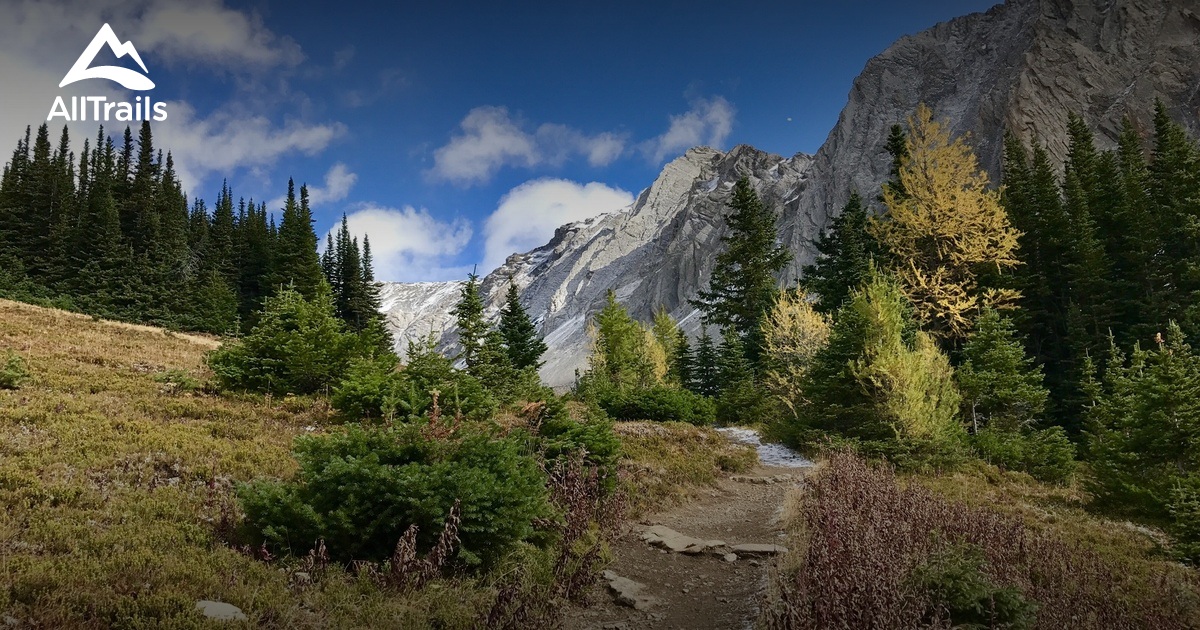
704 590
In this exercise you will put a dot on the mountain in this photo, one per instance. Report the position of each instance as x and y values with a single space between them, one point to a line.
1022 66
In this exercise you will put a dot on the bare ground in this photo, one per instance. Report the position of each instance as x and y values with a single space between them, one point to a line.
695 592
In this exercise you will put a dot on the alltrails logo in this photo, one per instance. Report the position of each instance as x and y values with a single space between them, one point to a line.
101 109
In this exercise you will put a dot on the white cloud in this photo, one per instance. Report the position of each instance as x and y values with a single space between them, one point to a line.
528 214
409 244
338 182
708 122
40 39
491 139
224 141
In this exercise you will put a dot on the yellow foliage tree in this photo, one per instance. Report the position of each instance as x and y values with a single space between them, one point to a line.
793 333
945 224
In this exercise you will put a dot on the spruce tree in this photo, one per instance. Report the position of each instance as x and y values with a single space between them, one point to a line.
742 287
844 255
1001 386
705 370
521 340
296 261
683 369
471 326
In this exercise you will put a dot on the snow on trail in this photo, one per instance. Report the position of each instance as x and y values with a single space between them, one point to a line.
768 454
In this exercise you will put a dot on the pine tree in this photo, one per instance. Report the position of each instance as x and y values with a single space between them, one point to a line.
705 378
1001 387
471 325
944 228
742 287
296 260
521 340
844 256
683 369
897 147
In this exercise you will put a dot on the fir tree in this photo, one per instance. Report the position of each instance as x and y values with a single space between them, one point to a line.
705 377
742 287
471 325
844 256
296 261
1001 387
683 368
521 341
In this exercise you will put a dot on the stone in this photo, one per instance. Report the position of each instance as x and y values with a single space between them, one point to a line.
627 592
730 557
759 549
669 539
220 611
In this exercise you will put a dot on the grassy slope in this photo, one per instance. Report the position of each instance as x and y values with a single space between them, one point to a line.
113 486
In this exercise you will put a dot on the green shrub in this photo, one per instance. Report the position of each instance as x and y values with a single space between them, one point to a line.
561 435
1185 517
13 372
179 379
298 346
1046 454
361 488
963 595
374 389
658 404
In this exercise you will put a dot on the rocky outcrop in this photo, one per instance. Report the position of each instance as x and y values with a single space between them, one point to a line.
1022 66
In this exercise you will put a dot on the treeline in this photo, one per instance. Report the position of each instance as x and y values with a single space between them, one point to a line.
947 320
112 234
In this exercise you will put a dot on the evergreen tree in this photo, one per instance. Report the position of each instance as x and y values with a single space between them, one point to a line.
1001 387
521 341
296 261
705 376
1143 417
742 287
683 369
471 325
844 256
897 147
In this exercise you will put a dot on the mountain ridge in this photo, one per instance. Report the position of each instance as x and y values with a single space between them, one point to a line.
1022 65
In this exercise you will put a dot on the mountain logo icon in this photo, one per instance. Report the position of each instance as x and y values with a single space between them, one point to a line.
130 79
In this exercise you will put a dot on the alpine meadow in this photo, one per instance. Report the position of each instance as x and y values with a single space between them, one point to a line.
943 371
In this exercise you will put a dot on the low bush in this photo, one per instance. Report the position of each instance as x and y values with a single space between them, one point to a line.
874 552
658 404
360 490
1045 454
13 372
298 346
961 593
589 432
376 389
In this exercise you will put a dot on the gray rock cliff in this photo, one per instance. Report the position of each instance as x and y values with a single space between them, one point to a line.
1022 66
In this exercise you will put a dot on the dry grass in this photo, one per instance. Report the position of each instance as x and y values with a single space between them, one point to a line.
861 539
663 462
114 487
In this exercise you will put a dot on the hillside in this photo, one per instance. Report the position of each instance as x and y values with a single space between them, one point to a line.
116 483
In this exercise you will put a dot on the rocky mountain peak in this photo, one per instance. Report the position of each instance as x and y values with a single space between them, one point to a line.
1021 66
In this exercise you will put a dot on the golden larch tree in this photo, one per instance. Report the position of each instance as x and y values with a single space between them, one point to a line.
944 225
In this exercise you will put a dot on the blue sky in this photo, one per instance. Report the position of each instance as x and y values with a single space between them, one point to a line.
455 133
